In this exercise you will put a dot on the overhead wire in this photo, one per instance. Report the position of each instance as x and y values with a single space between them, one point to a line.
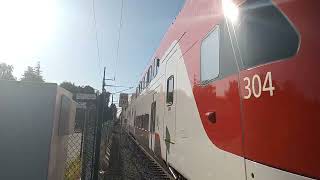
97 38
118 42
119 38
118 45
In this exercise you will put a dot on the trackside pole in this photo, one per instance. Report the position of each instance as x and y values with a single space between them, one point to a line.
101 106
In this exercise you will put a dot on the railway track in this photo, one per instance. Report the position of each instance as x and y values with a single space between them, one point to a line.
129 160
151 168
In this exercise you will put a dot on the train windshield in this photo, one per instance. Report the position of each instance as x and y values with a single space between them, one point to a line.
264 33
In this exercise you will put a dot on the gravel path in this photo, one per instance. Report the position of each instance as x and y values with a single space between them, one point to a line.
129 162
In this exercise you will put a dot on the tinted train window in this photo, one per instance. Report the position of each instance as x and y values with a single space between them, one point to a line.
210 56
154 68
228 64
153 116
264 33
221 62
145 122
147 77
156 65
170 89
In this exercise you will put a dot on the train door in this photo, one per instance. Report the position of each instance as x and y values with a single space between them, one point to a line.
218 101
170 105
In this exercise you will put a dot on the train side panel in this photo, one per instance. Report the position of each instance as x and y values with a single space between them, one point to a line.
266 115
281 121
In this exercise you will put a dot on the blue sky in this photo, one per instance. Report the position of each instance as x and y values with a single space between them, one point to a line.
61 36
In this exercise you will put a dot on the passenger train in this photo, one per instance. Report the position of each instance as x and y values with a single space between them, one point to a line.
233 92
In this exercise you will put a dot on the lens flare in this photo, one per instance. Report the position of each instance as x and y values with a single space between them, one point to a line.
25 26
230 10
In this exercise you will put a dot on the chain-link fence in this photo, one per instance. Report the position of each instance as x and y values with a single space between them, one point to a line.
88 148
105 147
73 161
89 138
81 146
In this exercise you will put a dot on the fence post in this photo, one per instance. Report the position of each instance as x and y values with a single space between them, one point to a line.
84 128
101 107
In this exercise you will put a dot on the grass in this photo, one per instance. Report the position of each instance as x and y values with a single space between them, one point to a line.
73 171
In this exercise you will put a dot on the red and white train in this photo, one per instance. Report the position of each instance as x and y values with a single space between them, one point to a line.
233 92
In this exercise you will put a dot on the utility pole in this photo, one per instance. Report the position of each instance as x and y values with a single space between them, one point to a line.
102 103
112 98
103 80
101 108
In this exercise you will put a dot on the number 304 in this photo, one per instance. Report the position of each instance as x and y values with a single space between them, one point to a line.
254 87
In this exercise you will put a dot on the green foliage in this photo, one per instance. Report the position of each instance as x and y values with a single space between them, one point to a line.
73 171
70 87
6 72
33 74
86 89
77 89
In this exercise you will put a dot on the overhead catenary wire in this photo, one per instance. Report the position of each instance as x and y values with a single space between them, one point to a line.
118 45
97 38
119 39
129 88
117 59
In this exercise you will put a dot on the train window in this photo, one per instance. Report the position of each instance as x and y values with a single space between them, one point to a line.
264 33
153 117
147 77
228 63
210 56
146 122
140 123
141 89
143 83
150 73
170 89
156 66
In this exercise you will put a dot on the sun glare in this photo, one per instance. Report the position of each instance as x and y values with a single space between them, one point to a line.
25 25
230 10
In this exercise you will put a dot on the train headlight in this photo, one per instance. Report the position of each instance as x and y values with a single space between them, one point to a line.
230 10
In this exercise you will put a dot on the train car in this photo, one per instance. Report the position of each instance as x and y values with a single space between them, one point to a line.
233 92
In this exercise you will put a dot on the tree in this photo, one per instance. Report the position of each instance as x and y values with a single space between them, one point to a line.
37 70
6 72
69 86
87 89
77 89
33 74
